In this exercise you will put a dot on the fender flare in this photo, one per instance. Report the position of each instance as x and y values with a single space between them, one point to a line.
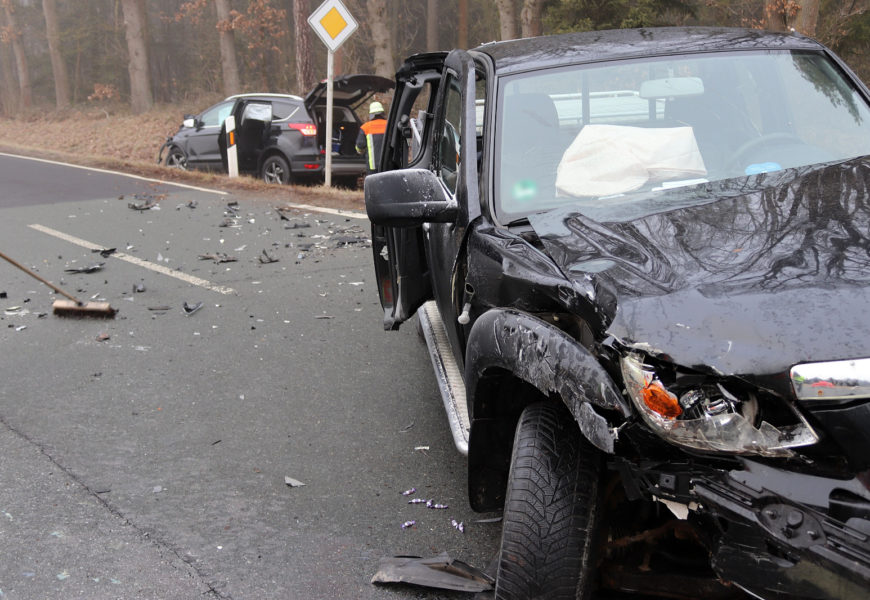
550 360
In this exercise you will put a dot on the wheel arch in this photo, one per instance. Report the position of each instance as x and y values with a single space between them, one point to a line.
512 360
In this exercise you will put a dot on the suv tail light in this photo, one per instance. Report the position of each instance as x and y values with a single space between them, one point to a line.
306 129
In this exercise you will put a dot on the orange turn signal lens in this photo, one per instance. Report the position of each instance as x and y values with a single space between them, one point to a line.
661 401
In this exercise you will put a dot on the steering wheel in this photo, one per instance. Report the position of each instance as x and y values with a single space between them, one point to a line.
779 136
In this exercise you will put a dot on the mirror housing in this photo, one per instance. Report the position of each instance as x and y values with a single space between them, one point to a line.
408 198
189 121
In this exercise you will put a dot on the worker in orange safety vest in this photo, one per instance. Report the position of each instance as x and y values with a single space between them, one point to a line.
370 139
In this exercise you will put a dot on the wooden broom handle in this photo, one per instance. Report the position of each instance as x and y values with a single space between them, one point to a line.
43 280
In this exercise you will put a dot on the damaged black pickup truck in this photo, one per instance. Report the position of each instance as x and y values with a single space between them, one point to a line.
641 262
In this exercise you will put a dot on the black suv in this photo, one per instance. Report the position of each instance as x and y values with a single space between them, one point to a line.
641 262
290 143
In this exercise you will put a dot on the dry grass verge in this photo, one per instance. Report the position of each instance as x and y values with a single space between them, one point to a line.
129 143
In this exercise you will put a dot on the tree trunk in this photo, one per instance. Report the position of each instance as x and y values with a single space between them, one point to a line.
507 19
135 23
229 60
305 79
58 66
806 21
463 24
531 18
431 25
382 39
25 93
774 19
9 91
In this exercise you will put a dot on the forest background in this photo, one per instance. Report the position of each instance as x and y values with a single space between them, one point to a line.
123 58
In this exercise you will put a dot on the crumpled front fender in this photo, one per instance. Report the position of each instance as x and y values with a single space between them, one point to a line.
551 361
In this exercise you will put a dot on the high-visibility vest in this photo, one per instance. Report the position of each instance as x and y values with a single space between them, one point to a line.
374 133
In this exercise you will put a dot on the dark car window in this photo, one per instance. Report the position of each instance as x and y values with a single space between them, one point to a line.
284 110
448 141
217 114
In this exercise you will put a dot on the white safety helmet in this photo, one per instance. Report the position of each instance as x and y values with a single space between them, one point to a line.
375 108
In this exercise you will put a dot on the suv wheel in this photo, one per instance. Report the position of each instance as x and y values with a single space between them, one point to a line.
551 509
276 170
176 158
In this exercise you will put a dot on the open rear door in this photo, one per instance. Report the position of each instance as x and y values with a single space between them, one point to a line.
253 123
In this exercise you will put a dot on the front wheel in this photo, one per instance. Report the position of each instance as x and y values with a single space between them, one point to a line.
176 159
276 170
551 509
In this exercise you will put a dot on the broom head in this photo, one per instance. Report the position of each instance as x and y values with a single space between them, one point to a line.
69 308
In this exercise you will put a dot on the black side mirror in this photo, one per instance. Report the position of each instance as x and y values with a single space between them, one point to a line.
408 198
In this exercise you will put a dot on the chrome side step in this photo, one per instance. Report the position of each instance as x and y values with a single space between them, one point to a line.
447 372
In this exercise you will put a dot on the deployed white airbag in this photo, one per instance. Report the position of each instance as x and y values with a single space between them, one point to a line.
604 160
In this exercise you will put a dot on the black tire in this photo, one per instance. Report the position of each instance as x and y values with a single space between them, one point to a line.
276 170
551 509
176 158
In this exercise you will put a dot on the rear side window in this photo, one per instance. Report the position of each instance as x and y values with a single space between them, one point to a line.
285 110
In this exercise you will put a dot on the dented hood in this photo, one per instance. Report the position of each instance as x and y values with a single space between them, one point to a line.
743 276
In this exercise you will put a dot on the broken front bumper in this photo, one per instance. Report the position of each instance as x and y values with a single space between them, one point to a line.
790 535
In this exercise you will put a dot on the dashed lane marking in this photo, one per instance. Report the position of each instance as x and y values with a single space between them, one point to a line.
331 211
203 283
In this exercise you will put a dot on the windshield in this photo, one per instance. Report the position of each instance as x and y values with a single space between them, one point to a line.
605 135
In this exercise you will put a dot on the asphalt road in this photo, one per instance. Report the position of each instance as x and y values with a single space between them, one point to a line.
152 464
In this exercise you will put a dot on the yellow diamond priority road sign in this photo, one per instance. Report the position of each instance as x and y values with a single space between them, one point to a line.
333 23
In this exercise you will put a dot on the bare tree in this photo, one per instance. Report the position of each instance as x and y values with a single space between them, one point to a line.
229 60
507 18
530 17
382 38
806 20
305 79
431 25
775 14
135 24
58 66
13 34
9 91
462 25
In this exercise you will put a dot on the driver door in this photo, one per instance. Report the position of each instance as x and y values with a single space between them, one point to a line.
431 120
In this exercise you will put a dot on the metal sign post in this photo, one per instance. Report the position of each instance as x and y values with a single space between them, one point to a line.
333 24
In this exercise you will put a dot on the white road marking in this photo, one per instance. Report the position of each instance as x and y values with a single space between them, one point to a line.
139 177
332 211
203 283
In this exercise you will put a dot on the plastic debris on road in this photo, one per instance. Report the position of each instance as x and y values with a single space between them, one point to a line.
189 309
218 257
293 482
266 258
86 269
440 572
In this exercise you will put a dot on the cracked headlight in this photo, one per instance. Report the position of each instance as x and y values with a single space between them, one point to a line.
707 416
